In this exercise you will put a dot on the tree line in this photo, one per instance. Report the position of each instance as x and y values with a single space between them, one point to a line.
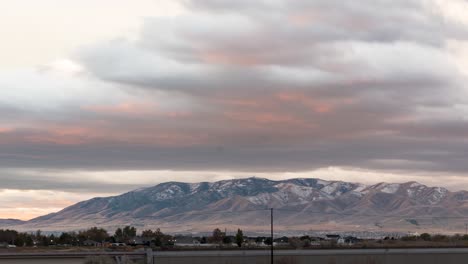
127 235
95 234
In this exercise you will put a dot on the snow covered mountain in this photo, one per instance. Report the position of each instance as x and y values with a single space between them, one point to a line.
299 204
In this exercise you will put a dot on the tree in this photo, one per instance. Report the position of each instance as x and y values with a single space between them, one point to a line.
425 236
295 242
8 236
203 240
20 240
28 240
52 239
239 238
217 236
38 233
67 238
148 233
125 234
94 233
227 240
129 232
119 234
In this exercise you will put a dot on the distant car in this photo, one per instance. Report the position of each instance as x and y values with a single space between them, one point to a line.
11 246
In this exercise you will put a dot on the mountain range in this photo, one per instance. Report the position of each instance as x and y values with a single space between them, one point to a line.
298 205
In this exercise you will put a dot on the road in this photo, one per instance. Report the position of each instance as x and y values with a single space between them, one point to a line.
349 256
315 252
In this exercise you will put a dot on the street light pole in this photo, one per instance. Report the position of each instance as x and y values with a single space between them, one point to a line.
271 248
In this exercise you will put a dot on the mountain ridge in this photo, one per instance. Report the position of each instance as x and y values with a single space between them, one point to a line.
301 203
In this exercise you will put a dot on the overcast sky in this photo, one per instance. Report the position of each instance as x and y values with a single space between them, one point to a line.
101 97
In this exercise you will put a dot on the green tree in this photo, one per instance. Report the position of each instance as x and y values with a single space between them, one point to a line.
67 238
28 240
239 238
129 231
94 233
125 234
20 240
119 234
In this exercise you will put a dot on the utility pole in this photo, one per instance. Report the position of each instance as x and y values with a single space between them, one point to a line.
466 229
271 248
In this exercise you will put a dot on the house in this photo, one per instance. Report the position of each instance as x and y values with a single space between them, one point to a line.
348 240
186 241
91 243
250 241
341 241
140 241
332 237
281 241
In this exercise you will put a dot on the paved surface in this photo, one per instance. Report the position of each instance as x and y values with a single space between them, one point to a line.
356 256
353 256
316 252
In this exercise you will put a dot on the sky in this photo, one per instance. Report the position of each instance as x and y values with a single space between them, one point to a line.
101 97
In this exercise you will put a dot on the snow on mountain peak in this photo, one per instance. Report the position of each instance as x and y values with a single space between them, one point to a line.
390 188
360 188
194 186
335 189
322 182
300 191
415 184
438 194
170 192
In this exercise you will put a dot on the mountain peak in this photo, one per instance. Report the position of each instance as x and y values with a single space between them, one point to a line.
184 204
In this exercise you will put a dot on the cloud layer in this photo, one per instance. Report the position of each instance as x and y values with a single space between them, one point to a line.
270 86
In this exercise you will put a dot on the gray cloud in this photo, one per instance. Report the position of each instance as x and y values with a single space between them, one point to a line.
265 86
56 180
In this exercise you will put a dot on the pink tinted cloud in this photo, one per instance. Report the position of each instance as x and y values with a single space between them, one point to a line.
61 135
126 108
304 18
265 118
136 109
228 58
142 132
5 129
317 106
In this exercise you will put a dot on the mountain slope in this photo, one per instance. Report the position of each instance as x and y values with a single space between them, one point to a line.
10 222
300 204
